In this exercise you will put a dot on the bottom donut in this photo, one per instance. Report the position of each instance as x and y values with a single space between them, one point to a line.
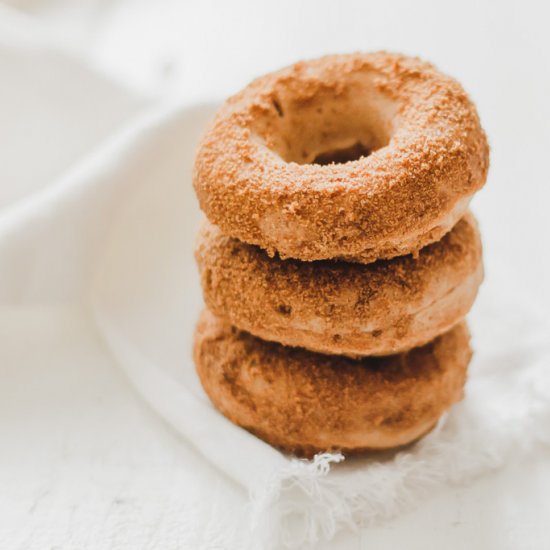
304 402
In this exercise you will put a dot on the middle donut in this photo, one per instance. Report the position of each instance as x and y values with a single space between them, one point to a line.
335 307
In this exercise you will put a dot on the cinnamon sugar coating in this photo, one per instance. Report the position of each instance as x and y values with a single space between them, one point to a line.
303 402
259 175
340 308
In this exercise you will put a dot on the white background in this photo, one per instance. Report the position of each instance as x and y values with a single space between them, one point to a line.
499 50
94 468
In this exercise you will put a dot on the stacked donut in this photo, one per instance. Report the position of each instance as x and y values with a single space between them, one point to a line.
339 258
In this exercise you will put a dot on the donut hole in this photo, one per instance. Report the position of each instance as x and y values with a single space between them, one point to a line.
335 124
341 156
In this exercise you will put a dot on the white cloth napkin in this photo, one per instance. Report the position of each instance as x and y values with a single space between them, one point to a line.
106 218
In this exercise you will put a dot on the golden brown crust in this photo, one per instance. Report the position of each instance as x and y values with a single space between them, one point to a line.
341 308
254 179
305 402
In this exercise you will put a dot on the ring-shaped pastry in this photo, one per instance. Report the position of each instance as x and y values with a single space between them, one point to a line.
381 308
304 402
359 156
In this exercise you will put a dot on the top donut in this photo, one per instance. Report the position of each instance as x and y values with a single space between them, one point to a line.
357 156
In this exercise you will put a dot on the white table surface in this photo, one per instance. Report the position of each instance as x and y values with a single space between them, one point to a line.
83 464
